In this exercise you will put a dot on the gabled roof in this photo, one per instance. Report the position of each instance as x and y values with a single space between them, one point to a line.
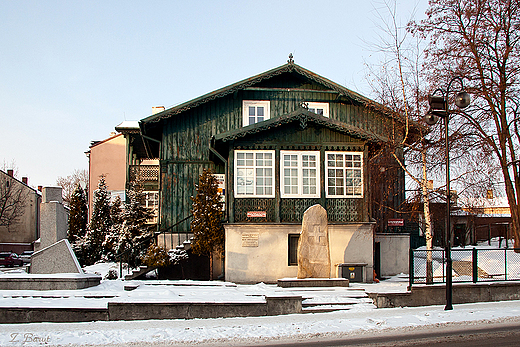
97 143
303 116
289 67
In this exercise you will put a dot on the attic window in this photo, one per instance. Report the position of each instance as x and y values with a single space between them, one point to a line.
255 111
321 108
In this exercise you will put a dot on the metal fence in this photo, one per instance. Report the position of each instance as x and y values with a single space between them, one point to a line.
468 265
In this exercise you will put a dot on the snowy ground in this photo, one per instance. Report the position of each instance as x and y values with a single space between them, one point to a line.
361 317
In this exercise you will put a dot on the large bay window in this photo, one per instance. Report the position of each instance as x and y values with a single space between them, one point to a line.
344 174
255 111
254 173
299 174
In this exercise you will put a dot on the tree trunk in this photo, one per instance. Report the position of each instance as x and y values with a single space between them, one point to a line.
427 222
211 266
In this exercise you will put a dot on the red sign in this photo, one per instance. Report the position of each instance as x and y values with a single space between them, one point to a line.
396 222
256 214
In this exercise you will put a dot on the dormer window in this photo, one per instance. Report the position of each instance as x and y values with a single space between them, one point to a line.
255 111
321 108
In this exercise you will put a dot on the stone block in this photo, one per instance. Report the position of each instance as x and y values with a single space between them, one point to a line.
57 258
313 282
313 245
52 194
53 223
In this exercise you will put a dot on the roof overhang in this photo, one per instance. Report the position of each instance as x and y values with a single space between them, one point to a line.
304 117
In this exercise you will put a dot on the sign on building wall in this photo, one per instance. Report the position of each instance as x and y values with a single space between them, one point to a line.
396 222
256 214
249 239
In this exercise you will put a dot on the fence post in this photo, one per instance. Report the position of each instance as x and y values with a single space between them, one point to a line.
410 269
475 265
505 264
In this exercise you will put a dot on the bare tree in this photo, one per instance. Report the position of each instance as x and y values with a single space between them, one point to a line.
480 40
12 200
396 83
70 183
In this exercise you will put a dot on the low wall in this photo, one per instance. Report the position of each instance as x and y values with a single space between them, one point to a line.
426 295
394 253
49 282
13 315
267 247
274 305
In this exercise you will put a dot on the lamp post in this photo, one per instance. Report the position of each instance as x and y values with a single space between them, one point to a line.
439 107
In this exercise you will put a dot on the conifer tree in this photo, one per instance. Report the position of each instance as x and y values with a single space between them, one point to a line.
78 215
99 226
208 232
111 242
134 228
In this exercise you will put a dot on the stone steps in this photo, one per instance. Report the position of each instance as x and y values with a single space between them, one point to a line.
320 300
139 272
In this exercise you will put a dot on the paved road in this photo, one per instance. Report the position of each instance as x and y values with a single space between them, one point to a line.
497 334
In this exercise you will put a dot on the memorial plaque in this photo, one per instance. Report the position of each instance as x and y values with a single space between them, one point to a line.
249 239
313 245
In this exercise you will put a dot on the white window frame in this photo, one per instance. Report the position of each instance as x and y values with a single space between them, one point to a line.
349 170
266 104
319 105
253 173
300 170
151 203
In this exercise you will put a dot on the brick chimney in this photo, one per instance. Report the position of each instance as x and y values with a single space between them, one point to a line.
24 180
10 172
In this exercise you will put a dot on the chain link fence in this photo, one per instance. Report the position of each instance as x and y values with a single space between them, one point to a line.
468 265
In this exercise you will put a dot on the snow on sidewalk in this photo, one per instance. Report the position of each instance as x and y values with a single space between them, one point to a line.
253 329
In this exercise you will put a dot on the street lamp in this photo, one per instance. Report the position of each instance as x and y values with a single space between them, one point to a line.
439 108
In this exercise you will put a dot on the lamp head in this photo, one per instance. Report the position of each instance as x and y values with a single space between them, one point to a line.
462 100
431 118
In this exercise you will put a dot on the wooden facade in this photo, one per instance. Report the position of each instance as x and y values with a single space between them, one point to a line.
206 132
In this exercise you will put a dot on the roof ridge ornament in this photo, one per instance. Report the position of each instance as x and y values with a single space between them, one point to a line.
291 60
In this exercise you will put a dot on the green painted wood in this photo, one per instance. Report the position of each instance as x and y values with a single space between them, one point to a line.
185 147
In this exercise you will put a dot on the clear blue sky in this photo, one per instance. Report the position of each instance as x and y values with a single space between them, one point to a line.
70 71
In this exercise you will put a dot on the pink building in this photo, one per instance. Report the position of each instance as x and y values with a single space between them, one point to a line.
114 158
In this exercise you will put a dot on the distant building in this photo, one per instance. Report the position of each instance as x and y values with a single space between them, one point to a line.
19 235
114 159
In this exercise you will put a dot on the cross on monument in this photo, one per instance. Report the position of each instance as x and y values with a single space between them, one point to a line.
317 234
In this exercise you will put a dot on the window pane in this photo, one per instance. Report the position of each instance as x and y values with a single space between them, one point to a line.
260 111
252 111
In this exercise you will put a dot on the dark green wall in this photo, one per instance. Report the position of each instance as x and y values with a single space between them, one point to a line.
186 136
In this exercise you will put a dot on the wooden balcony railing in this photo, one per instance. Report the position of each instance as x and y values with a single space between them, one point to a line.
144 173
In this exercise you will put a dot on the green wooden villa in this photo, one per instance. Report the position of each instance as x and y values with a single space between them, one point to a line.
280 141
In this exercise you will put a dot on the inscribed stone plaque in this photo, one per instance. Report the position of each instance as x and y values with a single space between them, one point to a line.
249 239
313 246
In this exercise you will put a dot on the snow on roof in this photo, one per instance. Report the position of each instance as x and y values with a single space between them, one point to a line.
128 125
484 202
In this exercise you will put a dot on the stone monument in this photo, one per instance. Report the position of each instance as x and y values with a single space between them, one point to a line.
313 245
53 218
56 258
